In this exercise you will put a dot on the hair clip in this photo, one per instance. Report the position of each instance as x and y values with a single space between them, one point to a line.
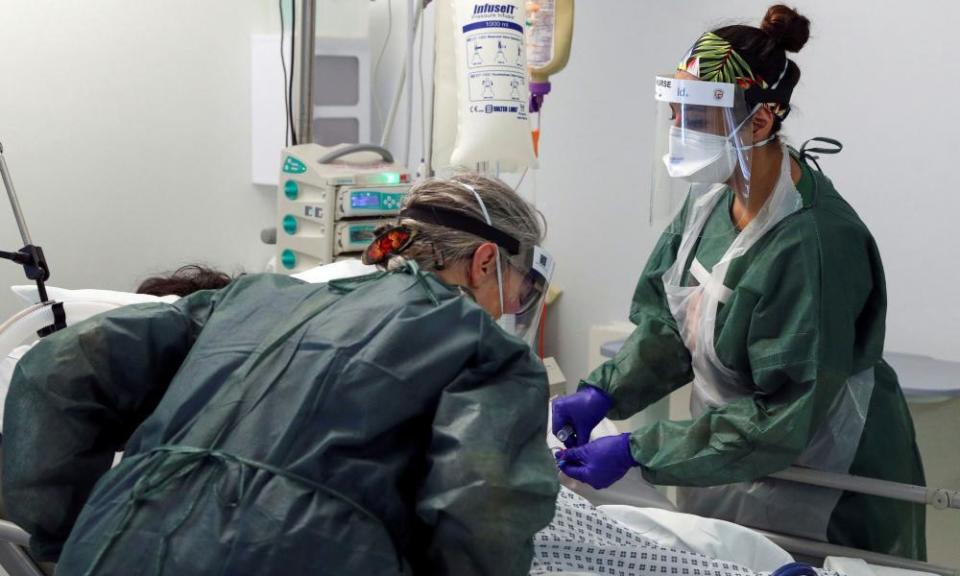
388 243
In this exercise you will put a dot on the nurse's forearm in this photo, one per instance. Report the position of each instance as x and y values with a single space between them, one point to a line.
652 363
739 442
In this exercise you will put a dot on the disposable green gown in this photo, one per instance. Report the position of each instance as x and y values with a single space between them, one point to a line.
372 426
807 312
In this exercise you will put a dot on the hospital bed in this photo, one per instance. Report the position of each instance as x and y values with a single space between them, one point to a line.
13 558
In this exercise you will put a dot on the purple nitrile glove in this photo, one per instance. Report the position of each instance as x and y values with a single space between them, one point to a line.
599 463
581 411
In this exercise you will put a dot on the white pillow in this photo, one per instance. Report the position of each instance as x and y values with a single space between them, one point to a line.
335 271
30 295
28 292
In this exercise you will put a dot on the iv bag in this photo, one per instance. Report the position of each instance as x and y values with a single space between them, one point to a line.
490 71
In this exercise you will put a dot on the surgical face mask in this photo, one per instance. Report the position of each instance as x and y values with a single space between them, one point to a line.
699 156
702 157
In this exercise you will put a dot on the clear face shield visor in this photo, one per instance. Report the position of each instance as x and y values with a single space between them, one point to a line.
523 278
524 282
704 139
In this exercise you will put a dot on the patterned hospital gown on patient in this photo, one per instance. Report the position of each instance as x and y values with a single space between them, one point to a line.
583 540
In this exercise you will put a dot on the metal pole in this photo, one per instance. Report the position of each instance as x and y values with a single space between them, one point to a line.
428 146
406 76
412 20
816 549
394 107
308 32
940 498
14 202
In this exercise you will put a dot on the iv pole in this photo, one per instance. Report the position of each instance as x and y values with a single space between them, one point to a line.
30 256
308 33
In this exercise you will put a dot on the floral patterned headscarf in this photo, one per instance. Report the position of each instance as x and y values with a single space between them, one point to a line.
714 59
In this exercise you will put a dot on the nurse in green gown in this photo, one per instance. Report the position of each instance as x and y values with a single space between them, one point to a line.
384 424
767 293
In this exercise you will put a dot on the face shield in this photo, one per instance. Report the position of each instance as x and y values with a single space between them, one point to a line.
524 282
704 138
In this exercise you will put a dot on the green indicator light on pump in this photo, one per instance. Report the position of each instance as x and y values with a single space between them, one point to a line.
290 224
288 259
291 189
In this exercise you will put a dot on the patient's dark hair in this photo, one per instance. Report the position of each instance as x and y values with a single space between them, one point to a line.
185 281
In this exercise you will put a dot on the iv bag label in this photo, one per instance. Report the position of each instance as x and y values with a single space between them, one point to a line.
495 61
493 96
540 35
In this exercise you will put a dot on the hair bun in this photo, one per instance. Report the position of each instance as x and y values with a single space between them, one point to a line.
788 29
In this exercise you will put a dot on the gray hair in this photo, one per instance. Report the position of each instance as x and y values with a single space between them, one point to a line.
438 245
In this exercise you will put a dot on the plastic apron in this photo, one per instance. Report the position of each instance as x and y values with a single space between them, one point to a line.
770 504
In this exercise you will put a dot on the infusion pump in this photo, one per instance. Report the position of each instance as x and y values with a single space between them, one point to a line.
330 201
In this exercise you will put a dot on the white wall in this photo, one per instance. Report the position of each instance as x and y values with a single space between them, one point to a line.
127 131
876 76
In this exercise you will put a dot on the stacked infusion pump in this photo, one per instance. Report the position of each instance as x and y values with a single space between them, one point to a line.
330 201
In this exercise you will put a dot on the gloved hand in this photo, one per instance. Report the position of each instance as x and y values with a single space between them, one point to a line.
599 463
581 411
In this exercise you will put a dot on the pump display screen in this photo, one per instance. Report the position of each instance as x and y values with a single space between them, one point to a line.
361 234
365 200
